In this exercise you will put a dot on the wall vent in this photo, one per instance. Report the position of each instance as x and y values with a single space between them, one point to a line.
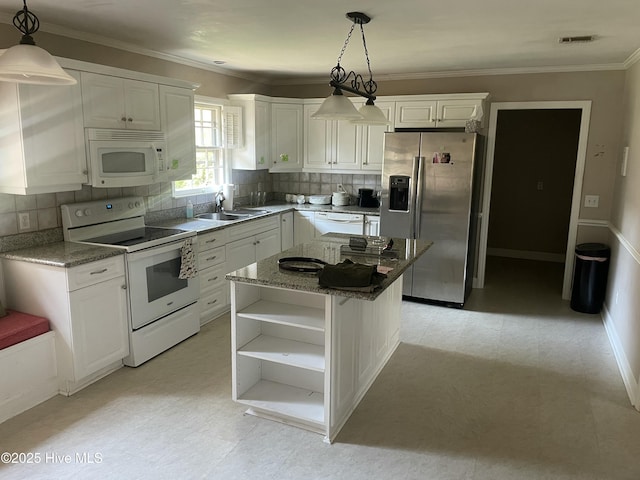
577 39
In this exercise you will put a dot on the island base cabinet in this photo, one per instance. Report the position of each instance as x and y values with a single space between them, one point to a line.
308 359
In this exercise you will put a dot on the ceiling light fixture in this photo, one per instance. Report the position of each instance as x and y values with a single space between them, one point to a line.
26 63
339 107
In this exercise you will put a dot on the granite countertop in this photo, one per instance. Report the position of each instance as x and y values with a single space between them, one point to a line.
203 226
266 272
62 254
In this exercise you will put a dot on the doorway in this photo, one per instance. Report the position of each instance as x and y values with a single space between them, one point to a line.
521 152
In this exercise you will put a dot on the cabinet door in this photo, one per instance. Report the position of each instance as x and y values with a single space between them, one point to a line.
373 139
455 113
240 253
178 126
317 140
99 326
347 142
303 227
262 135
372 225
141 101
286 137
416 114
267 244
103 101
286 230
53 136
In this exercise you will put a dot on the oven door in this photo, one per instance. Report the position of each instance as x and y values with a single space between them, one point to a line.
154 287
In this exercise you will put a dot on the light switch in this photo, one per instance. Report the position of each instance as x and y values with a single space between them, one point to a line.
540 185
591 201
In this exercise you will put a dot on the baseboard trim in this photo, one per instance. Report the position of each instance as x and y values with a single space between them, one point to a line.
630 382
526 255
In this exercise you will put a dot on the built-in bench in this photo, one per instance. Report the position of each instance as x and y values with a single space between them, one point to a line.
28 371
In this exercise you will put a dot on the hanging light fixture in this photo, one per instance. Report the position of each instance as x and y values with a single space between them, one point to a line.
26 63
339 107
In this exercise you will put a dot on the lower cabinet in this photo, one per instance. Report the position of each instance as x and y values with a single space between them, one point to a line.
286 230
372 225
253 241
303 227
212 267
308 359
86 307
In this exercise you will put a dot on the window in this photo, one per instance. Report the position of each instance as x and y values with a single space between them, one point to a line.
211 168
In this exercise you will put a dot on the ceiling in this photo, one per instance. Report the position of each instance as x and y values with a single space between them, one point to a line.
280 39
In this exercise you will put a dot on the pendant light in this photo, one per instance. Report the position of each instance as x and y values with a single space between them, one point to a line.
27 63
339 107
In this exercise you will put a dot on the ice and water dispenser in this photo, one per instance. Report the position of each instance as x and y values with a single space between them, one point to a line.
399 193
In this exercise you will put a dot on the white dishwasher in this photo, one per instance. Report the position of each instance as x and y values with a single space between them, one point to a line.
351 223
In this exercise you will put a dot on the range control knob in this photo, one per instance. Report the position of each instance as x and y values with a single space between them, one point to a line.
130 204
79 213
137 204
87 212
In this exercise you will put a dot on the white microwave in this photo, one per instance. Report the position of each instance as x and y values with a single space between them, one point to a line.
124 158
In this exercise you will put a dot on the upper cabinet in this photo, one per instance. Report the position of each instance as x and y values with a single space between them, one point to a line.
439 111
176 111
253 151
286 137
344 146
42 142
114 102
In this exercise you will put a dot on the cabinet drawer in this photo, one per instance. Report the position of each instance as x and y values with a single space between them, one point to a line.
207 241
213 304
94 272
211 257
212 278
253 227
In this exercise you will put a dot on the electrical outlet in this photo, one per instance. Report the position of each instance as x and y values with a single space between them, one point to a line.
23 221
591 201
540 185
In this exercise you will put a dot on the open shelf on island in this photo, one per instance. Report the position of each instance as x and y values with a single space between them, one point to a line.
285 314
285 351
282 399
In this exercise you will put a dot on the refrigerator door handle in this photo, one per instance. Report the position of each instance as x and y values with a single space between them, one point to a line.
418 166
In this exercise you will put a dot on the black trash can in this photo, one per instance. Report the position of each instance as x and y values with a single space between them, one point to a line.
590 277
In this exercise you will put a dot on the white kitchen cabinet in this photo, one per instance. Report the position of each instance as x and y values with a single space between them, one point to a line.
373 139
303 227
286 137
114 102
254 152
331 144
87 308
308 359
42 142
177 121
372 225
342 146
212 266
286 230
439 111
252 241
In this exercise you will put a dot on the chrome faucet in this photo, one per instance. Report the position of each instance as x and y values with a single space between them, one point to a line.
219 199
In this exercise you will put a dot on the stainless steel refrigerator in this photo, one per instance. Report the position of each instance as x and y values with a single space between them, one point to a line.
430 190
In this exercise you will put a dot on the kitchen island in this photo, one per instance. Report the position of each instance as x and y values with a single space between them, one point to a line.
306 355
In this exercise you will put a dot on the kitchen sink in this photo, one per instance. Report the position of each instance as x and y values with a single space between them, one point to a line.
231 215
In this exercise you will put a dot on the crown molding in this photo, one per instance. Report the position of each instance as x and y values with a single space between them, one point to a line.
633 58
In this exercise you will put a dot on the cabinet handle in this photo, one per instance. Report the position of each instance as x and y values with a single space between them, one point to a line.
212 279
123 119
99 271
344 301
124 287
169 304
210 241
258 242
212 258
129 119
212 302
85 172
284 219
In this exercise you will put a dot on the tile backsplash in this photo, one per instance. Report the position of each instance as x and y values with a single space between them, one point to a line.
45 221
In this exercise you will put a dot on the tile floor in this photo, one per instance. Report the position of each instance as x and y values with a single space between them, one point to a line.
515 386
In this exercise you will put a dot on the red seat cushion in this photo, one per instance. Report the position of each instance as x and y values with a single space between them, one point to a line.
17 327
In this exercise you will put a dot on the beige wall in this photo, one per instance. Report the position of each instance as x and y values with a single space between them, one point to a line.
623 301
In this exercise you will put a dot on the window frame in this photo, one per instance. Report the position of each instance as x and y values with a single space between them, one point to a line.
226 171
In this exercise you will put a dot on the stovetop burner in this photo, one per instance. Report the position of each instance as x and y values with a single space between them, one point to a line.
135 236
